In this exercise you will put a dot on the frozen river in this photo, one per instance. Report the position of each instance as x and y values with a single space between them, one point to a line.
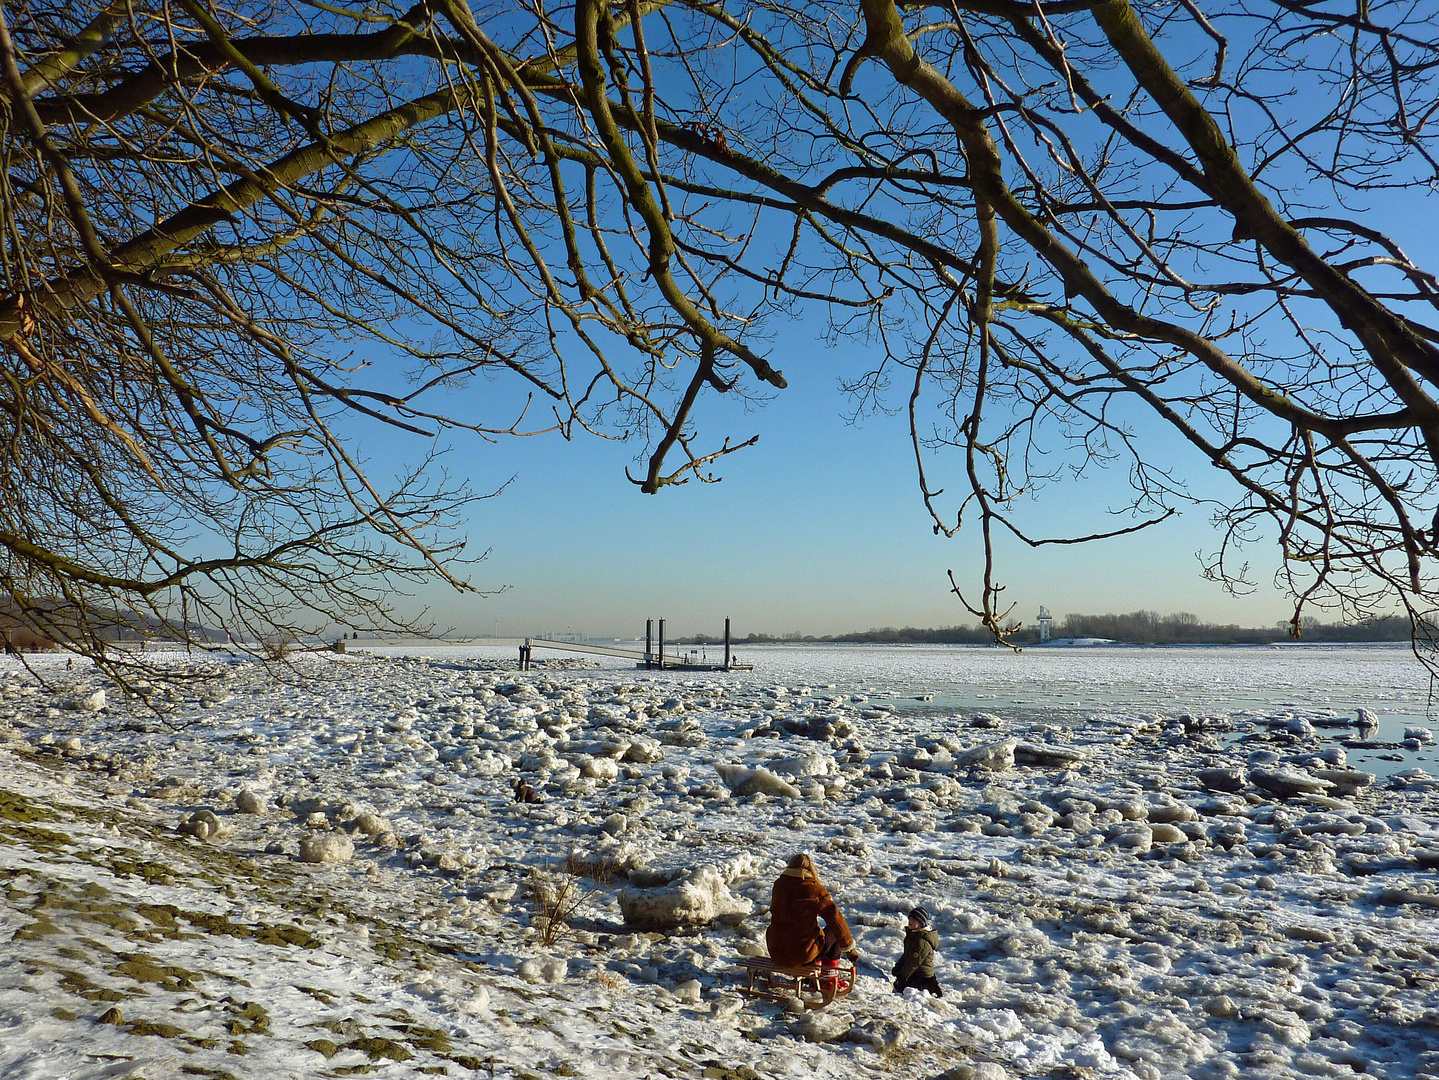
1197 679
1246 686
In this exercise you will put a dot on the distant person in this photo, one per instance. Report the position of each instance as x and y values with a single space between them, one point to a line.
797 904
915 967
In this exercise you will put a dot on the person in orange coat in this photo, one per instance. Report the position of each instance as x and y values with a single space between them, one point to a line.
797 904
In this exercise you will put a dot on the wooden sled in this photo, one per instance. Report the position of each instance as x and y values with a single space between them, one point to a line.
813 985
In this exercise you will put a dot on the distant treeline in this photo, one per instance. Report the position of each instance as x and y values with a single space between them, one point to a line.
1134 628
1151 628
41 621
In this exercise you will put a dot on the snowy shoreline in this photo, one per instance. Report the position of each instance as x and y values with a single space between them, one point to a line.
1135 891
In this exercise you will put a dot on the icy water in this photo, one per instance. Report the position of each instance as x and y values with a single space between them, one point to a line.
1246 689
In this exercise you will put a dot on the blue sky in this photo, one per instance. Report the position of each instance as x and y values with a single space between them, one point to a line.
819 528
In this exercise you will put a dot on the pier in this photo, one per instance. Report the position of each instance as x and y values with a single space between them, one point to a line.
652 659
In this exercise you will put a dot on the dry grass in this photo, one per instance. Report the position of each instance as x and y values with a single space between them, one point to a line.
608 979
602 870
559 892
899 1057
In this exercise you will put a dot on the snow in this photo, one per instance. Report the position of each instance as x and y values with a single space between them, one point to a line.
356 886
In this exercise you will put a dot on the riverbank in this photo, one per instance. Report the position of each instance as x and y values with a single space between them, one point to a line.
1128 892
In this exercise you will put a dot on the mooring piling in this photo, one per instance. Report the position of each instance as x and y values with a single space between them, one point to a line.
652 658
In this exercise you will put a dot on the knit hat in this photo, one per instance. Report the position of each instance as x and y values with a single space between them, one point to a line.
920 916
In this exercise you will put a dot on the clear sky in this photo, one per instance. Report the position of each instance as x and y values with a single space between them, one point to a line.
819 528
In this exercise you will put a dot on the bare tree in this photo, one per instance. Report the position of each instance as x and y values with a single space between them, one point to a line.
1077 234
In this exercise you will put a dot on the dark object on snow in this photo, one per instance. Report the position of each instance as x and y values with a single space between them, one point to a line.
797 903
525 793
915 967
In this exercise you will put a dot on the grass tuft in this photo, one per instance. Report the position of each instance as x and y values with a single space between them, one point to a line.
560 891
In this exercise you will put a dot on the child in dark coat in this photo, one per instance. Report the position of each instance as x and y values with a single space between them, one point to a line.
916 965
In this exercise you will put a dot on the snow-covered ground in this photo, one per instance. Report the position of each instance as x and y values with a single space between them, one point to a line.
1141 863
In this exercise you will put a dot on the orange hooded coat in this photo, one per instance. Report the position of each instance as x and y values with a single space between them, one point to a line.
797 904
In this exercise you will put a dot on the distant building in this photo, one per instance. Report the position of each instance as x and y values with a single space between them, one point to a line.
1045 619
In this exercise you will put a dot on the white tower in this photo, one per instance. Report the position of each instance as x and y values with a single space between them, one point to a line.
1045 618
